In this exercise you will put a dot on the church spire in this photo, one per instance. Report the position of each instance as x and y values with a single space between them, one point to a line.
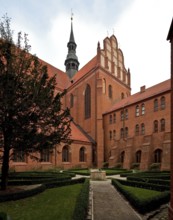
71 62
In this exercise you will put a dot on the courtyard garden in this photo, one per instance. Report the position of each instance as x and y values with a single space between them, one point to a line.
56 195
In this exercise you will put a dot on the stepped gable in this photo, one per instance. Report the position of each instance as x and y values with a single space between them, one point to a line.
142 95
62 79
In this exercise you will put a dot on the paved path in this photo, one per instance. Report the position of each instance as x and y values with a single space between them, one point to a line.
108 204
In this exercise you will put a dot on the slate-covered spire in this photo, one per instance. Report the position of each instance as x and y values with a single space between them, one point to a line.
71 62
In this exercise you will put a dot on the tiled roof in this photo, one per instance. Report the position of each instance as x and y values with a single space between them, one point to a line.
78 134
140 96
85 69
62 79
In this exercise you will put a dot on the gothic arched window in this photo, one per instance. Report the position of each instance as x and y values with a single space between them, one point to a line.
104 86
143 109
155 105
71 100
137 110
65 154
155 124
137 129
162 124
138 156
162 103
122 156
110 91
87 102
82 154
157 156
142 128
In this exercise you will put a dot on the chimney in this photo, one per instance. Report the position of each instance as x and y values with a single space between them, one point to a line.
142 89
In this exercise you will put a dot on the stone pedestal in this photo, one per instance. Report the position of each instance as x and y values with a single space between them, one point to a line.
98 175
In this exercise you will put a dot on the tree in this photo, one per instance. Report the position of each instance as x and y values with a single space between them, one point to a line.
31 113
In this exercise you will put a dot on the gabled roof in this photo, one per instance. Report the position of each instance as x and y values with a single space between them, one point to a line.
78 134
141 96
62 79
85 69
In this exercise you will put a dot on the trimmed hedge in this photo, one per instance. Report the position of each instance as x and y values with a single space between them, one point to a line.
145 185
22 194
3 216
147 180
81 207
54 184
142 206
35 181
27 193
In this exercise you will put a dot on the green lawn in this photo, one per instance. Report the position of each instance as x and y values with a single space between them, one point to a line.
57 203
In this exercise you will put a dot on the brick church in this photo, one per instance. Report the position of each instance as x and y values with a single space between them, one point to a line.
110 126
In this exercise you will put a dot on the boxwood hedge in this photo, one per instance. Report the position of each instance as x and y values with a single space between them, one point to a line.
142 206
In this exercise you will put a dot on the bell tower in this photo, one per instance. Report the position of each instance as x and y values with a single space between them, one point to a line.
71 62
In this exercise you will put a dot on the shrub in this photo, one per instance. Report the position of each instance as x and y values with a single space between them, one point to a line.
145 185
3 216
154 166
142 205
81 208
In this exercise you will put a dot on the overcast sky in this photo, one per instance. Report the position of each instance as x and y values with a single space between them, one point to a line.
140 26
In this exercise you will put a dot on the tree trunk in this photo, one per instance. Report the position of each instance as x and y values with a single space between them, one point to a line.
5 168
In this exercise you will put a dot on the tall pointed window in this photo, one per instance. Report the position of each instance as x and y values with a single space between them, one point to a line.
126 131
137 129
126 114
155 125
114 134
65 154
142 129
156 105
138 156
104 86
122 156
137 110
157 156
71 100
114 117
162 103
143 109
82 157
110 135
162 124
121 133
110 119
110 91
87 102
